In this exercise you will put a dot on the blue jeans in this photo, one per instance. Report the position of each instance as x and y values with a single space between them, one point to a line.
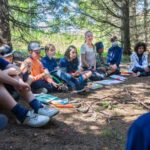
42 84
74 83
141 70
96 75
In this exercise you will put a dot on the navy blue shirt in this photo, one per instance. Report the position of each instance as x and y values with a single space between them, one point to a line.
139 134
49 63
3 64
114 55
140 59
69 66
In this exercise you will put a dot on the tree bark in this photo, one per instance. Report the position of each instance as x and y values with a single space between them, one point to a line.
126 27
4 21
145 20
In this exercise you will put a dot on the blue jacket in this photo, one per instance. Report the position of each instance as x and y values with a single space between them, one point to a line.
138 137
69 66
114 55
48 63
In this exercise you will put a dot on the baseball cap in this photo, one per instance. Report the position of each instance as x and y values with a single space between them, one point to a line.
6 50
34 45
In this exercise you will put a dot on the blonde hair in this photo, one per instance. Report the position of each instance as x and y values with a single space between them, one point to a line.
49 47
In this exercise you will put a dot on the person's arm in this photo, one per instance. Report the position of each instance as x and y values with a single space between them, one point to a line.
145 61
84 62
134 61
119 56
63 64
108 59
83 57
6 79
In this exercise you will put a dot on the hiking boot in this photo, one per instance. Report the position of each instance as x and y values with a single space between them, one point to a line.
3 121
47 111
35 120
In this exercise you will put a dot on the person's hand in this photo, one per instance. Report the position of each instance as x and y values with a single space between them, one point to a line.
54 84
77 73
113 67
146 69
23 86
26 66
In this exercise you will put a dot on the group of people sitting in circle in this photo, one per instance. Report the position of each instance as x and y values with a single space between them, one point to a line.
46 73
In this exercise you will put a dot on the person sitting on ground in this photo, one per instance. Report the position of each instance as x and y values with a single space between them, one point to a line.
50 63
138 137
70 63
6 52
114 56
88 57
10 80
40 76
139 60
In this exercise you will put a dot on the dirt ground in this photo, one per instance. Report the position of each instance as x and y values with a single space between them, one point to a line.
100 123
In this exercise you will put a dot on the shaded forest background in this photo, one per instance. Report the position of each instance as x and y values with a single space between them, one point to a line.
64 22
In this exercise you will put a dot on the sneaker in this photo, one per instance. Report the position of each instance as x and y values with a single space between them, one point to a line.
42 90
3 121
47 111
35 120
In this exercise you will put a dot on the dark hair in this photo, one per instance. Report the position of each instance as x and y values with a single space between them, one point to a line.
113 39
49 47
139 44
99 45
67 53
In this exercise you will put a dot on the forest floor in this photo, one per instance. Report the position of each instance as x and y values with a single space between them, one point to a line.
103 126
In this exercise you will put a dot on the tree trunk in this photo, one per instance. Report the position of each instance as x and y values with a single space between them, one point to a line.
134 22
4 21
126 27
145 20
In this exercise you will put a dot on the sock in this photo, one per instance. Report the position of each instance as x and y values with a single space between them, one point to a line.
20 112
35 104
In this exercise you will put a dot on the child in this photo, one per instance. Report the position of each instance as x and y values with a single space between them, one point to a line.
50 63
101 65
40 76
88 52
139 60
114 56
9 80
7 53
70 63
88 56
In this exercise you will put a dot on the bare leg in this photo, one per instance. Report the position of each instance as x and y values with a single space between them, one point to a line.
6 99
26 94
